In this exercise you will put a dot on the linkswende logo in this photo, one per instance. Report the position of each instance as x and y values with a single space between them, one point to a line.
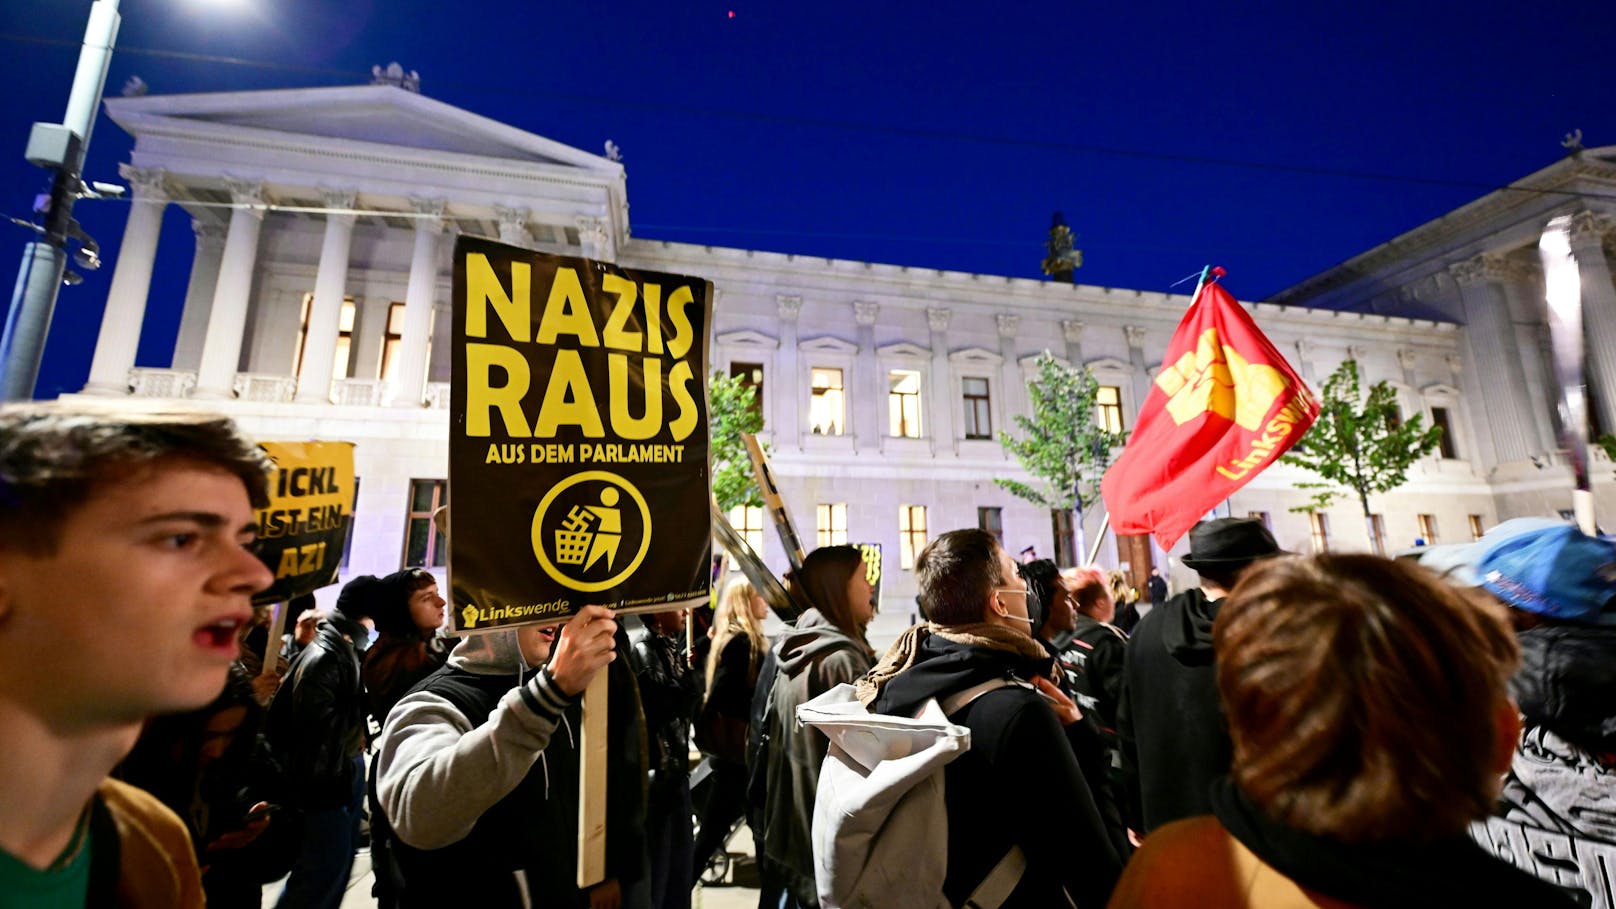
468 616
591 531
1215 377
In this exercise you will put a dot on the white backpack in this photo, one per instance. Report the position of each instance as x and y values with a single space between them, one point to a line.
880 832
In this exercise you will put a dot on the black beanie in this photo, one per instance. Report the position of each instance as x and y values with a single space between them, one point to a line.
358 597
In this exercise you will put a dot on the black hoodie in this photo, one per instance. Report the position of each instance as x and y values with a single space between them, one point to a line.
1175 741
1019 784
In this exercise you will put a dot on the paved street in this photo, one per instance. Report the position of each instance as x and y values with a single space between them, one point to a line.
716 897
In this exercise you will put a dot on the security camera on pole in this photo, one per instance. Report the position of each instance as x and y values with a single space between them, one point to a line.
59 147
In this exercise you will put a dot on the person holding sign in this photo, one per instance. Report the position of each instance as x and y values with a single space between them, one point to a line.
126 569
478 773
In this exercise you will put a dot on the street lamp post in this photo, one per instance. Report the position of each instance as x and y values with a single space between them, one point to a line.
44 261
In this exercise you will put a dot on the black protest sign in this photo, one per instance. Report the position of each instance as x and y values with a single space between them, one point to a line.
872 570
578 448
767 586
302 532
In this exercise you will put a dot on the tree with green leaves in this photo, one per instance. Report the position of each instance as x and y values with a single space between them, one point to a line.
1360 444
1064 446
731 412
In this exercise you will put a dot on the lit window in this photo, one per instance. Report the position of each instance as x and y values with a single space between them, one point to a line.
345 326
978 421
911 533
903 403
827 407
1108 404
991 520
1475 527
392 339
424 546
831 521
1319 529
1377 526
748 522
1428 529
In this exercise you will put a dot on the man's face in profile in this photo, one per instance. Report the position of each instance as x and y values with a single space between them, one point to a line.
136 610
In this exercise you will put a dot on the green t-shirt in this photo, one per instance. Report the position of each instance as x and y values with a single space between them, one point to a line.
64 885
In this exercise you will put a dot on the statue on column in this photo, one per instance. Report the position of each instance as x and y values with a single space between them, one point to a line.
1062 258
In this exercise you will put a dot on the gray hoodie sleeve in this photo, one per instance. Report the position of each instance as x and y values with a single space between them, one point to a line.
436 775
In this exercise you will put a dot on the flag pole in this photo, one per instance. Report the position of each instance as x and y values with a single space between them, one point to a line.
1562 281
1105 523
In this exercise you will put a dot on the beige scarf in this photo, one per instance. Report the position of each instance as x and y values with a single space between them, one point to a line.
901 655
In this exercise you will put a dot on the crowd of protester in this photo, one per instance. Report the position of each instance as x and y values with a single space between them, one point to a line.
1332 731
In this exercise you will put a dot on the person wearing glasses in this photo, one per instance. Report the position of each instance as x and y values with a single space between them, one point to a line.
1019 807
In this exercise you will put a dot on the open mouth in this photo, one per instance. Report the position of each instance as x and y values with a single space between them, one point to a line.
219 636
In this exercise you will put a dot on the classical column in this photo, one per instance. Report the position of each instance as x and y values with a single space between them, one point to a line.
198 294
789 400
1141 369
1488 339
513 225
131 282
944 440
596 240
1304 360
1406 361
1598 311
1072 331
314 371
867 414
1524 293
1011 376
227 318
409 379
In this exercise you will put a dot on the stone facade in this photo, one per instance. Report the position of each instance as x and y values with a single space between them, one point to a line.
323 224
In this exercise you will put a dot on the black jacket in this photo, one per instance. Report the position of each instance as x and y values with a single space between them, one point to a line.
1175 741
316 725
670 692
1019 784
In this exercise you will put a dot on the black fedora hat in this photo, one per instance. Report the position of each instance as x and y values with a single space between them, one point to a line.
1229 542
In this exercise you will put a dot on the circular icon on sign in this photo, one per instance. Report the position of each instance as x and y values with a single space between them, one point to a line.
591 531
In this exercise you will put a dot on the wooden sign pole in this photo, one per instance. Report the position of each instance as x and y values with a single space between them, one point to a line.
592 785
272 650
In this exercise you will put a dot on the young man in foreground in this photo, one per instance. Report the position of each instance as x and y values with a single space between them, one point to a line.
125 570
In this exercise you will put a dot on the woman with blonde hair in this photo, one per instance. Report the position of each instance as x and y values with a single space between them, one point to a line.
721 729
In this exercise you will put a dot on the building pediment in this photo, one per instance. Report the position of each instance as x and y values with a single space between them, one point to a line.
1108 364
748 338
977 356
904 349
1029 362
381 115
1440 390
828 345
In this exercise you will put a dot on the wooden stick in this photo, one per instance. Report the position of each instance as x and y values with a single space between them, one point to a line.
1099 538
592 785
272 650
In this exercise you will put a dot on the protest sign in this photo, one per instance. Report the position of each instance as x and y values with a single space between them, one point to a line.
773 502
766 585
578 444
872 570
302 532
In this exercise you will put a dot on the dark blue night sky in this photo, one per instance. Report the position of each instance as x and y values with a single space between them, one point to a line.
1273 139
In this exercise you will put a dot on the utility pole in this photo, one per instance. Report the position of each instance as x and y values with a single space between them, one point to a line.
59 147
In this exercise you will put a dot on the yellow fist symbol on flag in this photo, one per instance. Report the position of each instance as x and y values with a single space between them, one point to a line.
1216 378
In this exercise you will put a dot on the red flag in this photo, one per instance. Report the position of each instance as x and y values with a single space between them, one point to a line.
1224 406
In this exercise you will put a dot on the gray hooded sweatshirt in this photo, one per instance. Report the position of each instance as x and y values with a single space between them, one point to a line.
436 774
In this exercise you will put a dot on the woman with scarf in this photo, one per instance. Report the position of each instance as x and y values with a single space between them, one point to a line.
1019 790
825 649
